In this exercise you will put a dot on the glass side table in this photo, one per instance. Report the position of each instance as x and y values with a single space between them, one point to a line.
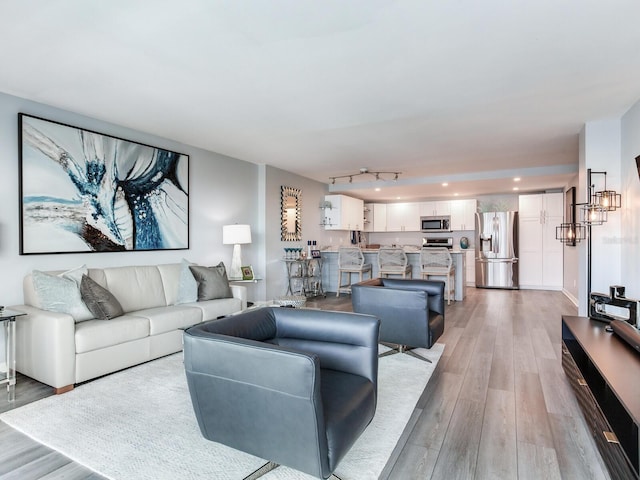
8 319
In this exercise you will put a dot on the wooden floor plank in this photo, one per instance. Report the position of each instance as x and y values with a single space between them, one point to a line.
497 455
459 451
536 463
531 412
572 442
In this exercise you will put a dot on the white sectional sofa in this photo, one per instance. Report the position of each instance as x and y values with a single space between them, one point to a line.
56 350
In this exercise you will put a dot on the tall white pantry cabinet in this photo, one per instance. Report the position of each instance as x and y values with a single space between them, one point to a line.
540 254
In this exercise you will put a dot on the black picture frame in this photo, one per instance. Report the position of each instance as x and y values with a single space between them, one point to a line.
83 191
315 254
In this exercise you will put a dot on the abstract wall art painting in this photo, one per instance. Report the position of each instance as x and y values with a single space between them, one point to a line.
83 191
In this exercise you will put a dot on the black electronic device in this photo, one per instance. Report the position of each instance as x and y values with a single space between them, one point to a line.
614 306
627 333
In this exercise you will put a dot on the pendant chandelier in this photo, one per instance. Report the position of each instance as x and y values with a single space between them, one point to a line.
593 212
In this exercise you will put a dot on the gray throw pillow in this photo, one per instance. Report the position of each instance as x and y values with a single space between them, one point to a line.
212 282
99 300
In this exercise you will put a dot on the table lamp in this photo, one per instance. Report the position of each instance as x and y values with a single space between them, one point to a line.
236 235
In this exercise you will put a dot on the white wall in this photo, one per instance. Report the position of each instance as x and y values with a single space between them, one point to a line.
601 151
630 215
222 190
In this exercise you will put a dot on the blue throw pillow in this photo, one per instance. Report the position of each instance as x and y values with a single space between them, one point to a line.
187 285
60 293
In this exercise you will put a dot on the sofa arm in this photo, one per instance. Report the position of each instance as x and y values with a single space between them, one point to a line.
45 346
239 291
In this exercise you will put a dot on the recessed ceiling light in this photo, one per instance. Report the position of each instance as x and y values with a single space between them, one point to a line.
377 189
516 179
516 188
398 198
456 194
445 184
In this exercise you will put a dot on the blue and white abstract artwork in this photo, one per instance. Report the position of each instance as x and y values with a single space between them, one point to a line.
83 191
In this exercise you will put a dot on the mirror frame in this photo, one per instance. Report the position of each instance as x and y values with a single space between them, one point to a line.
285 234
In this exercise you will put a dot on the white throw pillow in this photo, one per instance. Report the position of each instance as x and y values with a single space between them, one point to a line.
61 293
187 284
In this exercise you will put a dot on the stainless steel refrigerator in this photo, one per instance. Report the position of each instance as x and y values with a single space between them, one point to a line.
497 250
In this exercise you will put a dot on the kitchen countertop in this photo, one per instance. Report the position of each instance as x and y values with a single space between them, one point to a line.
408 250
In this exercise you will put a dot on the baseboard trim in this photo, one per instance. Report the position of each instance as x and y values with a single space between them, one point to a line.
573 299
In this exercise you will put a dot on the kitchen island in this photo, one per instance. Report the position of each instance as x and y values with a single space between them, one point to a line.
330 268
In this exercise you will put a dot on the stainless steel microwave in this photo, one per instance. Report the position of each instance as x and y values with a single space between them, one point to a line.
435 224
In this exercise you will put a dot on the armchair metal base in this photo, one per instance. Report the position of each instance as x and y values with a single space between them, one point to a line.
401 349
267 467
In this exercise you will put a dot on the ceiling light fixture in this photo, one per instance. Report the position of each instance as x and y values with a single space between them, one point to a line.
364 171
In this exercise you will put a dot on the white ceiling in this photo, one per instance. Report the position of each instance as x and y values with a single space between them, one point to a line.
465 91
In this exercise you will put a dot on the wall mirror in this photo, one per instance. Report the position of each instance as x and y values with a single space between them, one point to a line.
291 199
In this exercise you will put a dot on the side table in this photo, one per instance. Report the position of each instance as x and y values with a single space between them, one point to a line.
304 277
8 319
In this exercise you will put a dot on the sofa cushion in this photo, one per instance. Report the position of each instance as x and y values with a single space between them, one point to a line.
95 334
166 319
61 293
136 287
212 309
212 282
99 300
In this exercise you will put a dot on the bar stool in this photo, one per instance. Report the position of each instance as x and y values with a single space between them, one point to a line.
393 261
350 260
437 261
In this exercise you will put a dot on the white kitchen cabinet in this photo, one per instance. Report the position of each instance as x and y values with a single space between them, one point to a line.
463 214
375 215
540 254
435 209
403 217
346 213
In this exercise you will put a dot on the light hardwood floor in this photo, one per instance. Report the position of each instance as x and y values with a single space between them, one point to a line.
497 407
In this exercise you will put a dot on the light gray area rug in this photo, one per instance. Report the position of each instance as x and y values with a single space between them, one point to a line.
139 424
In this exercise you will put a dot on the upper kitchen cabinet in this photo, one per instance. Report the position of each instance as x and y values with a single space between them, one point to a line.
435 209
345 213
403 217
375 217
463 214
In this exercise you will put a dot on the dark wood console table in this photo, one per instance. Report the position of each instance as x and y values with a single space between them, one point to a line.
605 375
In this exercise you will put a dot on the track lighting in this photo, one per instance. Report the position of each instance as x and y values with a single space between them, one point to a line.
365 171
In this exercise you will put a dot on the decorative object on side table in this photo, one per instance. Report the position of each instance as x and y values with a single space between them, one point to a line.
247 273
464 243
292 301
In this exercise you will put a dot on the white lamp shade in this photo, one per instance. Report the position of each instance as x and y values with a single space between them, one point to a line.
236 234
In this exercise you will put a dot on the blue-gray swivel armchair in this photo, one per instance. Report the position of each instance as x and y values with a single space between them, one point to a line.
411 312
296 387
